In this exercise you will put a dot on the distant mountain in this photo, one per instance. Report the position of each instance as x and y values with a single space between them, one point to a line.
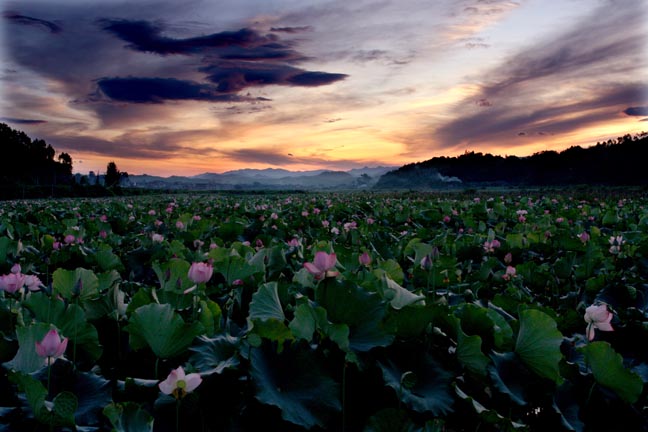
265 179
620 162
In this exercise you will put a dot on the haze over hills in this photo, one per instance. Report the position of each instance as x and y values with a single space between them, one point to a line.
269 178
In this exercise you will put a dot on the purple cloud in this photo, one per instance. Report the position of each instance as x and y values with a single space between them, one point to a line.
26 20
157 90
233 77
22 121
636 111
144 36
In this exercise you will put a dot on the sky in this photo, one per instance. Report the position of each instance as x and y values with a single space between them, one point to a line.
171 87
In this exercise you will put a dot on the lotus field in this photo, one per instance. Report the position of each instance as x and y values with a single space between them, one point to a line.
341 312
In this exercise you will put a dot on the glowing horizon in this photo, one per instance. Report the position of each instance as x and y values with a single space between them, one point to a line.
179 89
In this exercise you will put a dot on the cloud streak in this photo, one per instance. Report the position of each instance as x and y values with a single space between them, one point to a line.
158 90
557 86
26 20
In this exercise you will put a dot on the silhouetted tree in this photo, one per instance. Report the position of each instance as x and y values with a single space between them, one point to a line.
112 175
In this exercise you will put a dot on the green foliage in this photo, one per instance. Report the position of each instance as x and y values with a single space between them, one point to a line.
128 417
162 330
607 367
294 382
465 343
538 344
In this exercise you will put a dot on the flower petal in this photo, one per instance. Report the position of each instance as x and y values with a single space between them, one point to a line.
192 380
321 261
169 384
590 332
313 269
61 348
604 326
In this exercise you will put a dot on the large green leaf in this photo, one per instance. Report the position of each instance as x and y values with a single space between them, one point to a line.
538 344
489 416
295 382
71 322
128 417
210 316
26 359
163 330
397 296
510 376
347 303
411 321
213 356
265 303
173 275
607 368
233 266
469 353
62 408
80 282
431 391
106 259
93 391
309 319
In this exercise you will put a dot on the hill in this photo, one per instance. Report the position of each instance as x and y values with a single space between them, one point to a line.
620 162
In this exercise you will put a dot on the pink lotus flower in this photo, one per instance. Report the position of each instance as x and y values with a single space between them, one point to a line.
365 259
157 238
510 273
427 262
32 283
69 239
616 243
322 265
584 237
598 317
178 384
13 281
51 345
508 258
200 272
490 246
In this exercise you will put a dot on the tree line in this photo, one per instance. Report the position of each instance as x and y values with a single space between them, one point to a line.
33 170
614 162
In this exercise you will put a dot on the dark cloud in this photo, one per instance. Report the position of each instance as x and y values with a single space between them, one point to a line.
236 60
21 121
266 52
636 111
26 20
299 29
255 155
157 90
314 79
145 36
232 77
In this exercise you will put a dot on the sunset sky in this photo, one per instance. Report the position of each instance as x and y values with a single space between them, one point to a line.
186 87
